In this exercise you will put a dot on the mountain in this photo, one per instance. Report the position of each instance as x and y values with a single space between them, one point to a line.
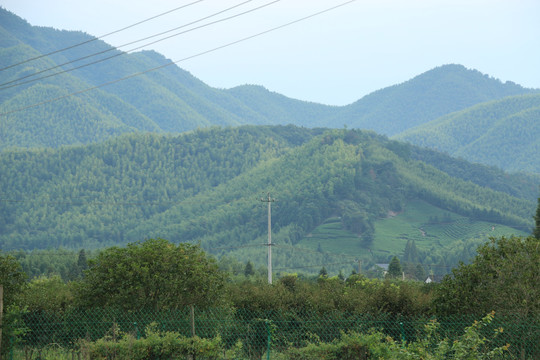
171 100
165 100
205 187
437 92
281 110
503 133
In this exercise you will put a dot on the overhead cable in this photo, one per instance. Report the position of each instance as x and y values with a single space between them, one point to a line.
99 37
177 61
17 82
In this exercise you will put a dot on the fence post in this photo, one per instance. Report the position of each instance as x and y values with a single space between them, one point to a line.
10 348
402 333
192 319
268 339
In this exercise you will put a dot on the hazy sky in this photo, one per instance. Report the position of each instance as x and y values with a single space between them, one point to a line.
334 58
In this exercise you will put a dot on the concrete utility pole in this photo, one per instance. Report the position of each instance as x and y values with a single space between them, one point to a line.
269 200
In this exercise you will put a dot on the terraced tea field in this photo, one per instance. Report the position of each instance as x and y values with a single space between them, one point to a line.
427 225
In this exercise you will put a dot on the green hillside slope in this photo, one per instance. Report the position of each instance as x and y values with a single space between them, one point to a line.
206 187
352 177
279 109
437 92
169 100
442 238
89 196
84 118
503 133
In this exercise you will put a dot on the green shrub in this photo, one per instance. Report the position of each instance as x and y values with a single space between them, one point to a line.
472 345
157 345
351 346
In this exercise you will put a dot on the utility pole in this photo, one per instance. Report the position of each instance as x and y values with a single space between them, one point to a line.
269 200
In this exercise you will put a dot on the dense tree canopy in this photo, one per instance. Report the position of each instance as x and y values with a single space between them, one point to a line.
502 133
153 274
12 278
201 187
503 277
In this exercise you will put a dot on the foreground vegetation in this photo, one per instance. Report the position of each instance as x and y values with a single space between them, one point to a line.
145 276
472 342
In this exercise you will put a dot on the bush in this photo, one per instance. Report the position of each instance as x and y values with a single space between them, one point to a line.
157 345
351 346
376 345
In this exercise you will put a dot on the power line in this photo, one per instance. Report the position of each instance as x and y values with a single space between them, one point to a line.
177 61
99 37
3 86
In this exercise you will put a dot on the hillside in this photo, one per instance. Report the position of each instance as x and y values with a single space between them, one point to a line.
503 133
205 187
168 100
424 98
278 109
171 100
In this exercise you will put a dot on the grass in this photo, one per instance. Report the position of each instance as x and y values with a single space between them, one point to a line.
428 225
49 352
332 238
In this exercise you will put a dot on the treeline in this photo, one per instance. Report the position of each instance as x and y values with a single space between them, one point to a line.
416 264
154 274
520 185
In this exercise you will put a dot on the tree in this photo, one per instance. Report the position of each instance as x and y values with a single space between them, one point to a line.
394 268
46 294
536 232
82 262
77 268
154 274
249 270
503 277
410 255
420 272
12 279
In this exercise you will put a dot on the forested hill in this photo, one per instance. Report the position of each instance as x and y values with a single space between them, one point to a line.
168 100
437 92
171 100
503 133
206 186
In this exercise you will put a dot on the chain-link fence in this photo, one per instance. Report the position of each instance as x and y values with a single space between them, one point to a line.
242 334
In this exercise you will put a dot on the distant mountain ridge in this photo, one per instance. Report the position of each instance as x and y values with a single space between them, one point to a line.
171 100
435 93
